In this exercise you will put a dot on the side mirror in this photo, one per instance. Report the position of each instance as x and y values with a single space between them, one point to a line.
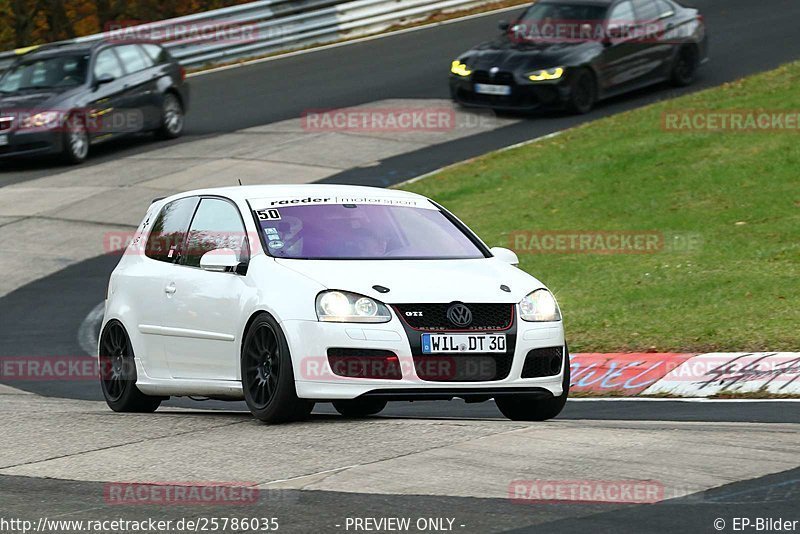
103 79
504 25
220 261
504 254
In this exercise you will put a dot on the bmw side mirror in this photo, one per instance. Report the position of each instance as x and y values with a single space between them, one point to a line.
504 254
221 260
103 79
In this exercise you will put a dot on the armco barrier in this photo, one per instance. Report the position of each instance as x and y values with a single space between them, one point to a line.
717 374
280 25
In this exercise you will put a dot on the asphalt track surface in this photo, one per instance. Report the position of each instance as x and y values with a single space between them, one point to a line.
772 496
746 37
43 317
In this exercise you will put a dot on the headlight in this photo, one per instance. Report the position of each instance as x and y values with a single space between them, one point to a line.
460 69
47 119
344 307
539 306
546 74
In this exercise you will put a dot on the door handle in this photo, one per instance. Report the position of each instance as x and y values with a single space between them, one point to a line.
170 289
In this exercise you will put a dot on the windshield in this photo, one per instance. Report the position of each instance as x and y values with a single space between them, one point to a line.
558 22
46 73
365 232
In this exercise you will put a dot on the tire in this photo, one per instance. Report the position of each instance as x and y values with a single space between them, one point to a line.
359 407
118 373
267 375
75 141
684 69
526 408
172 117
583 92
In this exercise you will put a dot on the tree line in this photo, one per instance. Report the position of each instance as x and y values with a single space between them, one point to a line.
30 22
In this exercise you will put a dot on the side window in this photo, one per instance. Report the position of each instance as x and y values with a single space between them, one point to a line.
107 64
131 58
664 7
217 224
169 231
155 52
148 61
622 14
646 10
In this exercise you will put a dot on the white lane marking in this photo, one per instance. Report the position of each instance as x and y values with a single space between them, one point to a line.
318 473
87 336
354 41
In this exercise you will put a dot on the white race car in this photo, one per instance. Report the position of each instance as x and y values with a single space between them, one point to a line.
289 295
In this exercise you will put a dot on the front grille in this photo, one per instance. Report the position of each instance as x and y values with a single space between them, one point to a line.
433 317
365 363
459 367
499 78
543 362
463 367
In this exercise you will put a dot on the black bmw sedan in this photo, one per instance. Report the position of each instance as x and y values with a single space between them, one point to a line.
62 99
573 53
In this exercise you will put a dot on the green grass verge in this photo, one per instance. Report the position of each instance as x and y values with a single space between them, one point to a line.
739 192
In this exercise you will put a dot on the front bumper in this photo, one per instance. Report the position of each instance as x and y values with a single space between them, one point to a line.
309 342
23 143
523 97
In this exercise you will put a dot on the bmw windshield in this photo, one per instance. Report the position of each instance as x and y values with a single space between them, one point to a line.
558 23
362 231
58 72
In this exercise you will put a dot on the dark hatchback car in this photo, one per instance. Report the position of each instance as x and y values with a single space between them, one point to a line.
64 98
572 53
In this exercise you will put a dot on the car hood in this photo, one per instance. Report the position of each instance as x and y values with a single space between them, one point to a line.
421 281
509 56
31 100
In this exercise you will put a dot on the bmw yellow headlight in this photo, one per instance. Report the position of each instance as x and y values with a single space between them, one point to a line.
459 69
546 74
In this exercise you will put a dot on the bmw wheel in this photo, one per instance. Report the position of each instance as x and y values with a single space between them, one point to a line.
526 408
359 407
76 140
685 67
583 92
267 375
172 117
118 373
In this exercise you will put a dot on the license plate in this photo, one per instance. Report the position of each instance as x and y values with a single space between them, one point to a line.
486 89
463 343
3 140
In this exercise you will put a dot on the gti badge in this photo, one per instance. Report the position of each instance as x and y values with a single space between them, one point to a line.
459 315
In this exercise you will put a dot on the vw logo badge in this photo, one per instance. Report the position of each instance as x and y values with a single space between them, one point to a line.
493 71
459 315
